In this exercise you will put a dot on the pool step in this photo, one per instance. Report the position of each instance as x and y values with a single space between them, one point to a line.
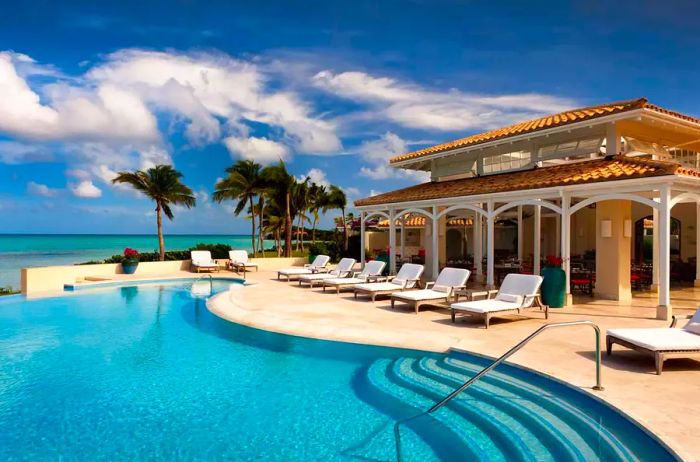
501 418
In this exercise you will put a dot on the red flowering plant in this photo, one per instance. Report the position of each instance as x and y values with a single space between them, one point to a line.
554 262
131 256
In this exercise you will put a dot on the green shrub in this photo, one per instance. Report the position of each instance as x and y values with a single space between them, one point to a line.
331 248
7 291
217 251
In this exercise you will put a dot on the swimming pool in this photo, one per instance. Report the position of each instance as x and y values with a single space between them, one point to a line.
147 372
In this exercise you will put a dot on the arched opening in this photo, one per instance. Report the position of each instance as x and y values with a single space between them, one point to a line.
644 239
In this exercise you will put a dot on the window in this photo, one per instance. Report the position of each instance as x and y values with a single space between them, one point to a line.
504 162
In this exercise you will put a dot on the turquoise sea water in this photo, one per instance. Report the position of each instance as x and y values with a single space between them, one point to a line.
148 373
25 250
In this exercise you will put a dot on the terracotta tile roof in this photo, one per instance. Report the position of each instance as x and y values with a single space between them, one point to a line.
593 171
550 121
419 221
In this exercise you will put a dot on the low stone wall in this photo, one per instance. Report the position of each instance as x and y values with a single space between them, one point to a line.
53 278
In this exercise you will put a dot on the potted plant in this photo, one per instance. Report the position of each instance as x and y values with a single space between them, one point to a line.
130 261
554 284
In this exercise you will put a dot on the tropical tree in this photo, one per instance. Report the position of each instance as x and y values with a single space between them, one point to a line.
318 196
243 183
163 185
279 188
300 200
338 200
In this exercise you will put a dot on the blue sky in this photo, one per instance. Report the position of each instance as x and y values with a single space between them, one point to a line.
334 88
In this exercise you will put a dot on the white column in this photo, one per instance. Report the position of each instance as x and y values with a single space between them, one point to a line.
520 233
663 311
557 236
566 243
392 242
489 245
612 140
697 244
655 252
436 252
537 240
478 247
362 239
403 238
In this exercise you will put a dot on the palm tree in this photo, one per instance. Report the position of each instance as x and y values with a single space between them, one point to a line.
161 184
243 183
279 189
338 200
318 196
300 200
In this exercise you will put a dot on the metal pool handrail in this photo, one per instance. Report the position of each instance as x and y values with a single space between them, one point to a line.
211 281
598 386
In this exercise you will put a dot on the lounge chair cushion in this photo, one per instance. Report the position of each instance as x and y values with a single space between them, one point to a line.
486 306
694 323
450 278
511 298
295 271
659 339
379 287
343 281
419 295
317 276
202 258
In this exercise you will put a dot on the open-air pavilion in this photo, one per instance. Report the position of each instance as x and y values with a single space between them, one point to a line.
614 190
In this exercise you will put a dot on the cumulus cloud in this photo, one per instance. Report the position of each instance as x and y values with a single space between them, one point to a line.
414 106
377 154
258 149
86 189
316 175
39 189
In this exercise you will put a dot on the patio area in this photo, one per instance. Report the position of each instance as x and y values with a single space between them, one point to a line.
661 403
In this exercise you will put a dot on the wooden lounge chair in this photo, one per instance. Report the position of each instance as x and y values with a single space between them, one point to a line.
238 260
518 292
342 270
201 261
448 281
408 277
370 273
663 343
317 266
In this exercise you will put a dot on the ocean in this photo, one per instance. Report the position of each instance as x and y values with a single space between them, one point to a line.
24 250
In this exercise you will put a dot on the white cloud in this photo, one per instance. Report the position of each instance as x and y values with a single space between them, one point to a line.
78 173
377 154
86 189
39 189
316 175
13 152
413 106
259 149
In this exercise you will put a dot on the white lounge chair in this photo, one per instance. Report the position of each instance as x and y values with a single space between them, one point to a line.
372 271
201 261
662 342
317 266
441 290
342 270
238 260
517 292
408 277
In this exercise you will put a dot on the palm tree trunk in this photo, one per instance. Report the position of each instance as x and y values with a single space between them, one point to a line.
159 221
302 230
313 230
252 222
261 204
345 230
288 228
278 242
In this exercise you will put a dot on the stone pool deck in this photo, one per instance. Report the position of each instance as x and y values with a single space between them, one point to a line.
667 405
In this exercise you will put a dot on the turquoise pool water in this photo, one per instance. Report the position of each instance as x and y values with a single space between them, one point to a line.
147 373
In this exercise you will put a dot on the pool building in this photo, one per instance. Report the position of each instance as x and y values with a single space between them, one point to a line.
612 189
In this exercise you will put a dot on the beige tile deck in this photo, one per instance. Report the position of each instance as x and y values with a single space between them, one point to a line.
667 404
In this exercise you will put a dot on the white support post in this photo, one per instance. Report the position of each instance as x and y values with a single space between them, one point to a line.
697 244
489 246
478 247
520 234
557 237
566 243
436 252
655 252
403 238
362 240
663 311
392 241
536 257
